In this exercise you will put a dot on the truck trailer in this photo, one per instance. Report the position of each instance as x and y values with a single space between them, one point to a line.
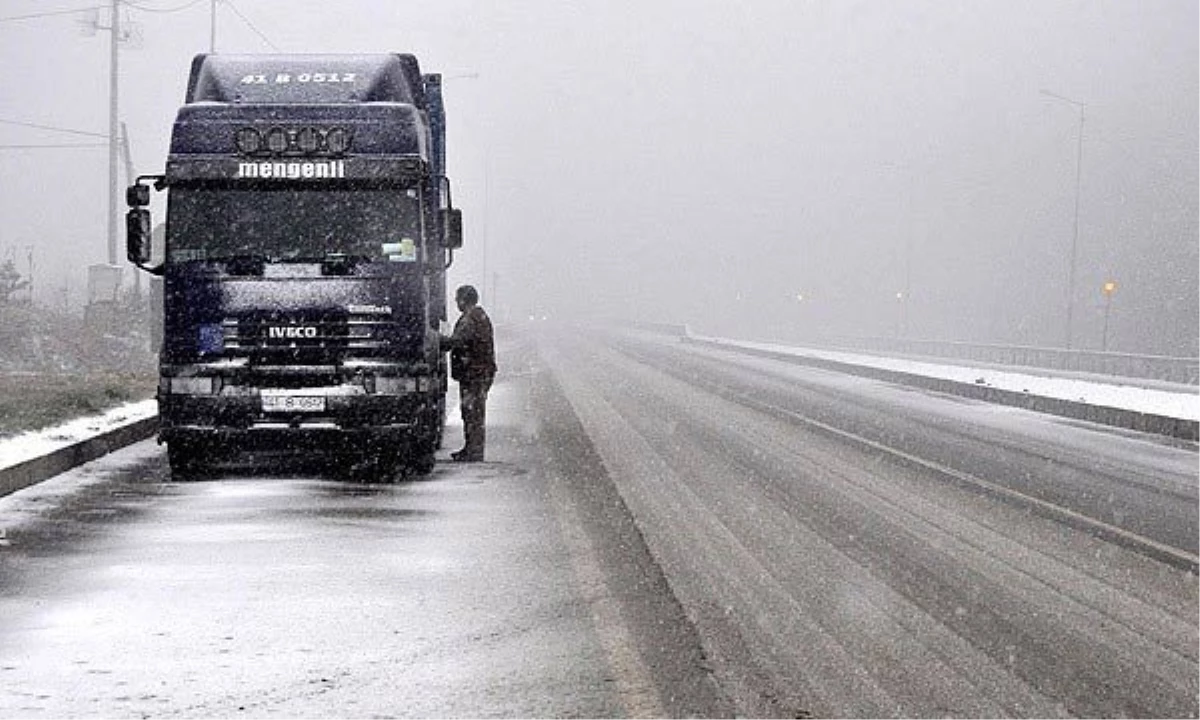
309 227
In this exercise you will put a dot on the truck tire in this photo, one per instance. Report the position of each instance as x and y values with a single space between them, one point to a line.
374 466
186 460
422 452
422 460
440 423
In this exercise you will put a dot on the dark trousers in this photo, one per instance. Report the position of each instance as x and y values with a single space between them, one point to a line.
473 395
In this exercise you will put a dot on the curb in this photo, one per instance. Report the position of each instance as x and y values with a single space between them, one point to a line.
1113 417
35 470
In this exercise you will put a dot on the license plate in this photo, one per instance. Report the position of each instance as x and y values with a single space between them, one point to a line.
293 403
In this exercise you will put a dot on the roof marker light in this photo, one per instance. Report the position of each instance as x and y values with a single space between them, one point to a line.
277 140
308 140
337 140
247 141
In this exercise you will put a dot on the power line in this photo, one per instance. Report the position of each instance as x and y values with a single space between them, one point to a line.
163 11
51 128
55 146
229 4
51 13
128 3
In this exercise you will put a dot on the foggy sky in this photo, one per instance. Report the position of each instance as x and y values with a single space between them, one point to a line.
712 162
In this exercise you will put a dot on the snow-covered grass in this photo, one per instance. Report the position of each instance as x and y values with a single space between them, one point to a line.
34 400
1183 404
26 446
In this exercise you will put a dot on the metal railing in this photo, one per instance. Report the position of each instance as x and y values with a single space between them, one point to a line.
1185 371
1153 367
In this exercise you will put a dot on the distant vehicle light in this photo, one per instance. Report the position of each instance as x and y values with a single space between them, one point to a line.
247 141
337 140
277 140
308 140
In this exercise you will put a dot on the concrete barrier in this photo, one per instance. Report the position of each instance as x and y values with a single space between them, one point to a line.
35 470
1114 417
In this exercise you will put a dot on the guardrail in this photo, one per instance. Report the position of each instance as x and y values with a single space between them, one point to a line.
1114 416
1180 370
1154 367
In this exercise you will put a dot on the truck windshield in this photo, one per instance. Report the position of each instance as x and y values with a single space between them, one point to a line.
287 223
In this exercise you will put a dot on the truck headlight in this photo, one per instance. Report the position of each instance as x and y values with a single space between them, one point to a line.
193 385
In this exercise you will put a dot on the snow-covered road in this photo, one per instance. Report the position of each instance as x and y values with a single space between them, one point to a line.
662 529
514 588
852 547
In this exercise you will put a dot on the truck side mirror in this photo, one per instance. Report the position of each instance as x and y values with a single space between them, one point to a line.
452 238
137 235
137 196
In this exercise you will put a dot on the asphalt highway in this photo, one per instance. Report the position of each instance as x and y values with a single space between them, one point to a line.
661 530
846 547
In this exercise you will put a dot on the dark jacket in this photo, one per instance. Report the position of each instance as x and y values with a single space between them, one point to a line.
472 347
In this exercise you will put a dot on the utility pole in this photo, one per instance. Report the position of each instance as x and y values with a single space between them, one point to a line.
212 29
29 257
113 128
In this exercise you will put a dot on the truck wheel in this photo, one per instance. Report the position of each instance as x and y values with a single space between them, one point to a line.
388 468
378 466
186 460
440 423
422 461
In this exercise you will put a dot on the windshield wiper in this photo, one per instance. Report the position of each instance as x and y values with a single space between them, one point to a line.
342 263
244 263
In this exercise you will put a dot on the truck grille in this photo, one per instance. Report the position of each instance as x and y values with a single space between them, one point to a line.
281 338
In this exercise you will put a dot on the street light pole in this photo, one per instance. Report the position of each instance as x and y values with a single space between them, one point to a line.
1082 107
1110 287
487 197
908 241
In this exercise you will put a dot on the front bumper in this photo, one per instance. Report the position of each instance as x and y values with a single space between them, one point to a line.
241 419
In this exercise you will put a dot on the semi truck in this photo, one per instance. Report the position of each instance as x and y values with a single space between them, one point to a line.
309 227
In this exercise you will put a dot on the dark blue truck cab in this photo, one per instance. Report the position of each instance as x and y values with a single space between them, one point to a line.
308 232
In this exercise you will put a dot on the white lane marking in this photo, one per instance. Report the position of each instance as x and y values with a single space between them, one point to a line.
1153 546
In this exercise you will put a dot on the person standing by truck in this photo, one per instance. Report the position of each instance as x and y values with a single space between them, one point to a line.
473 365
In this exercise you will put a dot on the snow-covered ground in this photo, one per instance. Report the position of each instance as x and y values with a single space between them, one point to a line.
1183 403
26 446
